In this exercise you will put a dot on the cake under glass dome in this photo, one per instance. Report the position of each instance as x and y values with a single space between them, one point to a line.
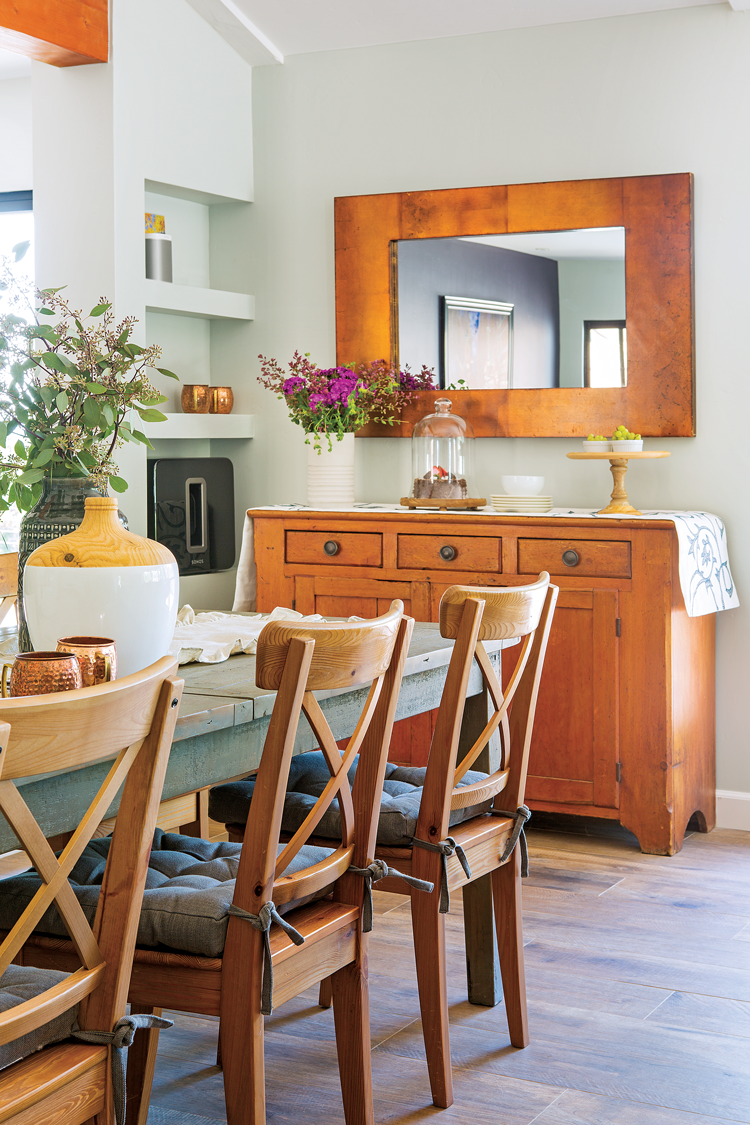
442 448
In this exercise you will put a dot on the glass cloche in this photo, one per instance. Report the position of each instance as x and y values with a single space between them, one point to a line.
442 455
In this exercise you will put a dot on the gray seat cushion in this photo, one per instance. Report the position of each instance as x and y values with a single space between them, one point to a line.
308 776
19 983
189 889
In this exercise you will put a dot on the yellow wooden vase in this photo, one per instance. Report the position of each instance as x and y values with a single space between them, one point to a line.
102 580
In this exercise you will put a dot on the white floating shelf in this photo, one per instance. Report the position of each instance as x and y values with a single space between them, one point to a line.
201 426
190 300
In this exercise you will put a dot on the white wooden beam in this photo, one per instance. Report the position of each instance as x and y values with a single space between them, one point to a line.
238 31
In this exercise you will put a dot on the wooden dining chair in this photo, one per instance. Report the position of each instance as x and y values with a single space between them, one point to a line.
466 824
492 841
266 932
269 958
59 1078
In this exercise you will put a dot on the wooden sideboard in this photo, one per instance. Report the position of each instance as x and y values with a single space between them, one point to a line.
625 721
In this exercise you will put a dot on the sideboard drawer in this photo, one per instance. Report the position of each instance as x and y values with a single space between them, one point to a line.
588 558
450 552
337 548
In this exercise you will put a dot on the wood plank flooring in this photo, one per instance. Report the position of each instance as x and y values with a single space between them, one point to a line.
638 971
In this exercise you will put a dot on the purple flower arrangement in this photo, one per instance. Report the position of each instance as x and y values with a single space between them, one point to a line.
334 401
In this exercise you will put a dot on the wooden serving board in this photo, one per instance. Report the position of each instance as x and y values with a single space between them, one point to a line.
468 503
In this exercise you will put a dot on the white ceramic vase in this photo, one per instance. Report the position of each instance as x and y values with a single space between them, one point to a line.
330 473
103 581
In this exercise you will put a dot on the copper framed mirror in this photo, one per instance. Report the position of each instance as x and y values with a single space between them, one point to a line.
656 214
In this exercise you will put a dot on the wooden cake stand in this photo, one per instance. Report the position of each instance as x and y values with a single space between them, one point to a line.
618 463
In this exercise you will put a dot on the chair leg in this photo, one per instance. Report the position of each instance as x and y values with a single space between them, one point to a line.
506 893
140 1069
351 1014
428 926
325 994
241 1034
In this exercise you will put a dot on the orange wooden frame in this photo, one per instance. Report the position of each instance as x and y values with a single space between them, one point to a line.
60 32
656 212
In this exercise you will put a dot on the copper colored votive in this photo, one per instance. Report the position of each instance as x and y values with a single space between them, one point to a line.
194 398
40 673
221 400
96 655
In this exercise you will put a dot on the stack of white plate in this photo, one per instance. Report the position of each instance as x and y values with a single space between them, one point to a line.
531 505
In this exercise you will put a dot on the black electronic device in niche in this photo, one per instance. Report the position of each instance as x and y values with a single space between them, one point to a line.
191 511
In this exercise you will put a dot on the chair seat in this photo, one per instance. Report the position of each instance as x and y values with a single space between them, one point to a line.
19 983
189 889
308 776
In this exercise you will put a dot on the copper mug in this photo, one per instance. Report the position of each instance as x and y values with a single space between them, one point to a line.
194 398
39 673
221 400
96 655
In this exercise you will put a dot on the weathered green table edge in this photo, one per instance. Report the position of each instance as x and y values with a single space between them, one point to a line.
220 733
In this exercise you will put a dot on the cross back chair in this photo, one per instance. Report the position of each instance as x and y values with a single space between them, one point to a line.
131 720
486 843
267 958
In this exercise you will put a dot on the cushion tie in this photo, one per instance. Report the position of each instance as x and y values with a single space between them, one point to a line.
120 1038
379 869
447 848
262 921
520 816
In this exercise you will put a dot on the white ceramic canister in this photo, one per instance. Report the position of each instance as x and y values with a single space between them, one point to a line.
330 473
102 580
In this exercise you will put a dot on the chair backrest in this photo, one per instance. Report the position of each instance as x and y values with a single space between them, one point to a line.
131 720
471 615
297 660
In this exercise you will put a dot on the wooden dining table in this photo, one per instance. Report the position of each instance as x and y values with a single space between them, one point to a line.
220 734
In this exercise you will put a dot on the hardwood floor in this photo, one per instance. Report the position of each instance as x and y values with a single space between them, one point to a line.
638 971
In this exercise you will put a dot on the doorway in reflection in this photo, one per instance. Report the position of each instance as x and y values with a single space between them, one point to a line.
555 282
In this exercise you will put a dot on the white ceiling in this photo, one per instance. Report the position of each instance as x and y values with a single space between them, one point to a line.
299 26
264 31
601 243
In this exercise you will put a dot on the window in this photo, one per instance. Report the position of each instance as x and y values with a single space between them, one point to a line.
16 226
605 355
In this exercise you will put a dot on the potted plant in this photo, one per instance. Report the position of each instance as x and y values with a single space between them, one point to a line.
330 404
69 387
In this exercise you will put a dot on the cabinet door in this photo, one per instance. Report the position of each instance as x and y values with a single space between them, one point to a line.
574 749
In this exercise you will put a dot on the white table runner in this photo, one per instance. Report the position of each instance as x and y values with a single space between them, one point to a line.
705 578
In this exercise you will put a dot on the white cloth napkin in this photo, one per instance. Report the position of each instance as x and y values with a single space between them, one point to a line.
210 638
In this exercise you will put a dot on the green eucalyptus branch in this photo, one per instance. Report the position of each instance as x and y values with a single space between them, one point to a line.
66 389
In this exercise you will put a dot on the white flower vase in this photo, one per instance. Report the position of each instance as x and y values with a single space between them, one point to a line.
330 473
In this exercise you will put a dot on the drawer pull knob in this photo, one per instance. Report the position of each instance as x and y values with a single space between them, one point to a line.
331 547
447 554
571 558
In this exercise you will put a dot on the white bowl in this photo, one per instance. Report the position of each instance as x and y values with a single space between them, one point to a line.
523 486
596 446
634 446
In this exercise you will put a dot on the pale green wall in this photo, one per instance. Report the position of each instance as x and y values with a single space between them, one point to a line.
639 95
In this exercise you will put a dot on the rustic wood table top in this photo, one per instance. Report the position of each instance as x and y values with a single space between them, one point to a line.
222 726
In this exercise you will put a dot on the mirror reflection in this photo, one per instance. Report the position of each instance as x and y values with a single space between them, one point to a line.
544 309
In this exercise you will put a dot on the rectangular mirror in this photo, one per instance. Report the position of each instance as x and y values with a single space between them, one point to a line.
556 309
531 306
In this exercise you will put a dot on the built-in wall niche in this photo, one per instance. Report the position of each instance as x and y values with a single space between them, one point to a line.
188 316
